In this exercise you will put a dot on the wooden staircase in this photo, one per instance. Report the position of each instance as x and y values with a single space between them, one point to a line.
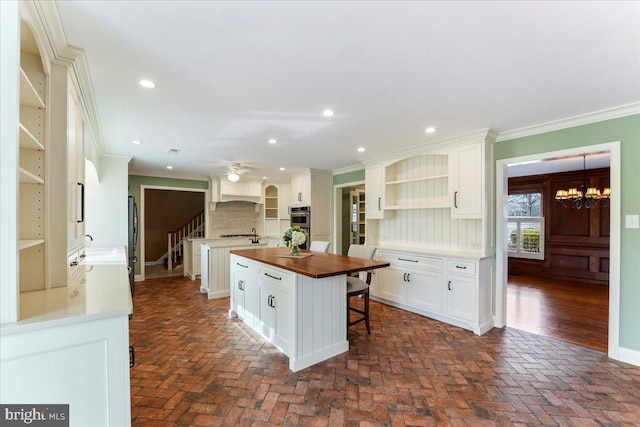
193 228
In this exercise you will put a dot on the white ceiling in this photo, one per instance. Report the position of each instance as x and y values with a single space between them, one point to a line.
231 75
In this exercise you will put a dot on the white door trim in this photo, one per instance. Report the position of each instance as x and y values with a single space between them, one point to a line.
337 212
614 239
143 188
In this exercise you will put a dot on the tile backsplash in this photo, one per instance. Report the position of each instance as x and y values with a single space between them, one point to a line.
235 218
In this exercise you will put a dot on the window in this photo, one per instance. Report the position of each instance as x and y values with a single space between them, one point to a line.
525 236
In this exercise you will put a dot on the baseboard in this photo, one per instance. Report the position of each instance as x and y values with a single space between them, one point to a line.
219 294
156 262
627 355
137 278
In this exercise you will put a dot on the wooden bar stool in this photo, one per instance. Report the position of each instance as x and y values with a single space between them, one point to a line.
357 286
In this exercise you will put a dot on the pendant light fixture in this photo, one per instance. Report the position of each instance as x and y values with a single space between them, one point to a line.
587 197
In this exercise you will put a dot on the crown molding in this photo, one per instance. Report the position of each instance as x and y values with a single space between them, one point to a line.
74 58
348 169
583 119
488 135
170 175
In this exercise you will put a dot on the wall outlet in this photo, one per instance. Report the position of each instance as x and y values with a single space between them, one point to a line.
632 221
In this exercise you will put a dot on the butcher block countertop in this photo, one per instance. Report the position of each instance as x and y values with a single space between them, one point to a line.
316 265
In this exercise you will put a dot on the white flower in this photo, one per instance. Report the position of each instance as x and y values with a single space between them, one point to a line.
298 238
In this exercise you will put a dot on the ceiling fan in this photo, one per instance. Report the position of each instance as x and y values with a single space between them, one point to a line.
234 170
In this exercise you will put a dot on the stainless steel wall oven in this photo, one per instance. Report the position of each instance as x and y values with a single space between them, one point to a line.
301 217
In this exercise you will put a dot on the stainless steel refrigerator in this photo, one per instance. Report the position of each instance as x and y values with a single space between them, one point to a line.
133 240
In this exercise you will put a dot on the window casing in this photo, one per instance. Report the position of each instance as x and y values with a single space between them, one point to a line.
525 224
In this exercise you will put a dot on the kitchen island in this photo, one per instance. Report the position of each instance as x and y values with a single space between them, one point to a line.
298 304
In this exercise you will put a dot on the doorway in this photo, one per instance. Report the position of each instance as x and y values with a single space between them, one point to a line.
160 202
614 247
349 220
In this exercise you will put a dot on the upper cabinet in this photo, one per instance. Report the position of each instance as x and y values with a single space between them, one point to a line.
467 180
373 182
313 188
301 190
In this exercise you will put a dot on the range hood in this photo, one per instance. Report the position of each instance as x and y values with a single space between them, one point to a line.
244 190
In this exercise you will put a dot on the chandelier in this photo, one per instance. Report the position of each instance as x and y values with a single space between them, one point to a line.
586 197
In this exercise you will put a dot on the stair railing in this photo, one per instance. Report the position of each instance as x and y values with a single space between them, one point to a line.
192 228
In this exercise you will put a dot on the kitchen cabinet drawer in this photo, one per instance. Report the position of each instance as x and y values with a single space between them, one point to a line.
412 260
277 277
243 264
467 268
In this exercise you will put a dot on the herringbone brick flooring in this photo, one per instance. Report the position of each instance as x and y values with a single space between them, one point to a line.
197 367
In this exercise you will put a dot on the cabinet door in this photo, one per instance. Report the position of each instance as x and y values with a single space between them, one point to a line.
393 283
266 322
284 201
244 296
75 210
461 297
467 181
282 304
373 186
424 290
301 191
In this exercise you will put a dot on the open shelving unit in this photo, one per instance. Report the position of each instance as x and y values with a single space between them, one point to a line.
32 163
418 182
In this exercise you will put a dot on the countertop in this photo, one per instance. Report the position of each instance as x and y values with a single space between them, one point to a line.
103 293
230 243
432 251
317 266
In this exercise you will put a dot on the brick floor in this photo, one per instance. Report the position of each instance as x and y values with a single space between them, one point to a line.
197 367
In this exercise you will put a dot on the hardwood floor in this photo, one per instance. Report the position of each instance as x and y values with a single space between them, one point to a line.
569 311
197 367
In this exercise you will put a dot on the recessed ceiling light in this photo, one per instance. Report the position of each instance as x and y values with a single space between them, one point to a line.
282 168
136 142
430 130
361 149
169 167
328 112
147 84
272 141
264 177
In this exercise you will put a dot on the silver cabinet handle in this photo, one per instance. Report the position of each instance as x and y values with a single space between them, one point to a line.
461 267
409 260
455 199
449 285
243 266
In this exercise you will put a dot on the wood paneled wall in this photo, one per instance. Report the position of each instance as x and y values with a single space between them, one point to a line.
576 240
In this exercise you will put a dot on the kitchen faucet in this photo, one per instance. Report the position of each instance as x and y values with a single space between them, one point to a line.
255 236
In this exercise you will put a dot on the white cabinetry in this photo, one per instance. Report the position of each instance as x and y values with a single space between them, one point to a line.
75 171
244 289
468 188
373 186
314 189
276 307
412 280
461 295
301 190
240 188
192 258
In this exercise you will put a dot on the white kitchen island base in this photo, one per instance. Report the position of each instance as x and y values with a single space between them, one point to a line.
303 317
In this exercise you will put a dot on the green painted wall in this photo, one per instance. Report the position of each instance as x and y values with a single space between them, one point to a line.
348 177
135 181
627 131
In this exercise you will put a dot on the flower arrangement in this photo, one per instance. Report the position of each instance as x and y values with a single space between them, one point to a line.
294 237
